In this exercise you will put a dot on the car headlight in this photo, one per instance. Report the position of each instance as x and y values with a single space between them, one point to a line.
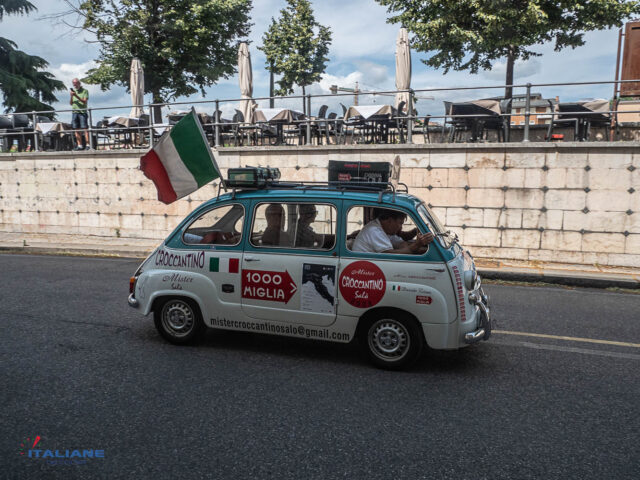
470 277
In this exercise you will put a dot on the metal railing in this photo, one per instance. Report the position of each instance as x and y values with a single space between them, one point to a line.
398 125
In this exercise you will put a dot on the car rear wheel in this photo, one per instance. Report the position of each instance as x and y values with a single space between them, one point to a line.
392 340
178 320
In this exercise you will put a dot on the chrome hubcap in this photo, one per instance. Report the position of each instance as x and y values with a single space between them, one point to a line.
388 340
177 318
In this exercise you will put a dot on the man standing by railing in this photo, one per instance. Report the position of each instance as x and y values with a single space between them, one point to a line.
78 101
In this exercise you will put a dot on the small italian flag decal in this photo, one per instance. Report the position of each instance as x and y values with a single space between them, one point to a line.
224 265
181 162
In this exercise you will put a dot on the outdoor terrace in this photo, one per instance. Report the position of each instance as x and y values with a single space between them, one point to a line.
449 115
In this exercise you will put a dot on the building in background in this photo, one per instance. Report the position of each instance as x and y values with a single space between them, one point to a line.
540 109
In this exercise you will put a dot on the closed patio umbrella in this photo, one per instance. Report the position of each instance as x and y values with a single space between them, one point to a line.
136 85
403 67
245 75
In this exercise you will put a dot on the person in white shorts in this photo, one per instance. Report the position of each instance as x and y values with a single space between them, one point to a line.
384 235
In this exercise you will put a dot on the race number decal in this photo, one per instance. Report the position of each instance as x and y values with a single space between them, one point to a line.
269 286
362 284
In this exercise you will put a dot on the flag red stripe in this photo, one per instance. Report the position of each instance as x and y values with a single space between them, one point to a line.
234 264
153 169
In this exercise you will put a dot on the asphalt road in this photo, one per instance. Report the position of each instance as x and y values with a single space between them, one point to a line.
82 370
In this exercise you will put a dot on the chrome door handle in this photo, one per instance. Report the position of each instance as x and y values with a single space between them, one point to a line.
439 270
251 259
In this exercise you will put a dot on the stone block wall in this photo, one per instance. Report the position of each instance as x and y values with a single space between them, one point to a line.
577 203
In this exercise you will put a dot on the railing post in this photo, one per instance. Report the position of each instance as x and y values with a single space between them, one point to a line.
216 127
410 118
308 119
527 113
90 129
34 119
151 123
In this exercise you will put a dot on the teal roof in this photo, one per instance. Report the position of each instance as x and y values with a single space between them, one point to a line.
302 194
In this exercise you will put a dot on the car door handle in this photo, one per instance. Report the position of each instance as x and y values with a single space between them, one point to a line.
251 259
439 270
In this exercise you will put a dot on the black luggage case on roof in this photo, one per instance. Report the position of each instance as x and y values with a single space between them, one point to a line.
359 171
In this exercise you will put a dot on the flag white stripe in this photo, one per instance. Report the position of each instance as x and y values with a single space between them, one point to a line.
181 179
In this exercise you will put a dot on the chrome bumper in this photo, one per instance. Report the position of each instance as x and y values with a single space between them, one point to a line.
132 301
478 298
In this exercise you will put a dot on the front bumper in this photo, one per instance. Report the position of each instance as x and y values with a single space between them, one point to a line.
132 301
478 298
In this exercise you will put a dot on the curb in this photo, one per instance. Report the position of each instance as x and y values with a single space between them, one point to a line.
574 280
76 252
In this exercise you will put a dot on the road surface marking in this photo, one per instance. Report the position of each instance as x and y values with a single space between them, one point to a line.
572 339
587 351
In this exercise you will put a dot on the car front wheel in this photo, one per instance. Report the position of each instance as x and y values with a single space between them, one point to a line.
392 340
178 320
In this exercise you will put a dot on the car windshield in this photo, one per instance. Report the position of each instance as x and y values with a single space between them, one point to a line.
444 236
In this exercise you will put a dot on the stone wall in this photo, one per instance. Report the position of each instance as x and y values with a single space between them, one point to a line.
577 203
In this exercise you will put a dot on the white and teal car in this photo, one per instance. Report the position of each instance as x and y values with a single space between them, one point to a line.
280 259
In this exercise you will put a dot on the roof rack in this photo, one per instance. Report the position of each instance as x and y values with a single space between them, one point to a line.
338 186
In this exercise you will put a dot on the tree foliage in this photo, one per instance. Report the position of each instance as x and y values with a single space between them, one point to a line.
296 47
182 44
24 84
472 34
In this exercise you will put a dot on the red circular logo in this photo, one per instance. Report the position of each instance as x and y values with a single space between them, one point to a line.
362 284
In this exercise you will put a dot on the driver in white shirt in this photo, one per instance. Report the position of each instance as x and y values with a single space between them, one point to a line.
384 235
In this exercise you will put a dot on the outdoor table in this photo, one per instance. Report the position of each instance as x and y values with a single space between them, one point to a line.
373 119
278 117
477 114
54 132
583 113
123 121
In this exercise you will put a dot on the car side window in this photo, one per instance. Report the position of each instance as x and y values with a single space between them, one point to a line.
294 225
218 226
364 232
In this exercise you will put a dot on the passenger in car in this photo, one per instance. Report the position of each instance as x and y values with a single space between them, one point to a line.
384 235
273 234
306 237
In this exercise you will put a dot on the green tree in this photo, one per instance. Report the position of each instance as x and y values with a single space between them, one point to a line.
472 34
24 84
293 48
180 43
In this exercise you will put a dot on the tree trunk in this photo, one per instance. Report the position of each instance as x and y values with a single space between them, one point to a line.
271 86
304 103
511 59
157 109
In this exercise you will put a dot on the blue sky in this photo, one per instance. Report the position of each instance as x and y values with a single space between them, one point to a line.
362 50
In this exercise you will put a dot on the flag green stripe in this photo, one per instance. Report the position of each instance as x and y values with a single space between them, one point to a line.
193 149
214 264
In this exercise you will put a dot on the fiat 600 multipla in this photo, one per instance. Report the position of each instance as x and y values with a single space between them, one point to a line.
337 261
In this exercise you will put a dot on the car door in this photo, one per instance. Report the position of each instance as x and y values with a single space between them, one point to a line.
217 235
419 284
290 262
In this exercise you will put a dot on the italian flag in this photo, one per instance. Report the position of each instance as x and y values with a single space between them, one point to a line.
224 265
181 162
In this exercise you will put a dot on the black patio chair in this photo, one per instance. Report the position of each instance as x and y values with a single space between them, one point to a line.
231 134
501 125
319 128
401 122
425 129
557 121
